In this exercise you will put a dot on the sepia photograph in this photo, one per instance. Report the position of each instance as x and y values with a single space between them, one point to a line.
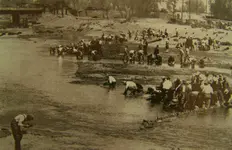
115 74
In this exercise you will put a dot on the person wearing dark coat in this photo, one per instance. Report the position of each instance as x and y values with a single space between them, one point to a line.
171 61
156 50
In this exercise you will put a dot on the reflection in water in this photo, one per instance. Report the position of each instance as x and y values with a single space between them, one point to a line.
227 114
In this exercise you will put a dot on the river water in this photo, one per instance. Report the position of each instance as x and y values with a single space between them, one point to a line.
72 116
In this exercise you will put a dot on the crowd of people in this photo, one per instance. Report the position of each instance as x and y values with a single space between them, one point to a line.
185 44
203 90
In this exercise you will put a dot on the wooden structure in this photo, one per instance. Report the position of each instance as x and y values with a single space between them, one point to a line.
16 12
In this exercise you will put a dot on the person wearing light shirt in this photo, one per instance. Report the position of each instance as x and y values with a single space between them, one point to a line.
133 87
132 56
132 52
167 85
207 92
17 124
130 86
112 82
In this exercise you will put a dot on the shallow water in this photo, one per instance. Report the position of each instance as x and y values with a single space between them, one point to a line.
34 82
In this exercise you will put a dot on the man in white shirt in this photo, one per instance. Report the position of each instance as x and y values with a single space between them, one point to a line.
167 85
207 92
166 91
112 82
17 124
133 87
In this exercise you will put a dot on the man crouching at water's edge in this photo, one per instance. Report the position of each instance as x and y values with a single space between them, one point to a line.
17 125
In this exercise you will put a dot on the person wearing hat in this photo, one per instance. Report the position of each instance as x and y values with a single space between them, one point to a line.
132 54
20 122
129 34
221 89
187 52
193 62
126 54
167 45
185 89
166 33
140 56
196 81
225 84
207 92
177 33
156 50
145 46
166 87
196 77
226 90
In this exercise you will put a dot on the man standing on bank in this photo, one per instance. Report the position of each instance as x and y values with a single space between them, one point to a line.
17 124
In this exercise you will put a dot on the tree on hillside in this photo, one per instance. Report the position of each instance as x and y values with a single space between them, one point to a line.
222 9
77 5
197 6
55 6
171 4
139 8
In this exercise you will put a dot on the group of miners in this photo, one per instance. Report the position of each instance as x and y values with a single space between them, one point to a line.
185 45
184 48
209 89
91 48
213 90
